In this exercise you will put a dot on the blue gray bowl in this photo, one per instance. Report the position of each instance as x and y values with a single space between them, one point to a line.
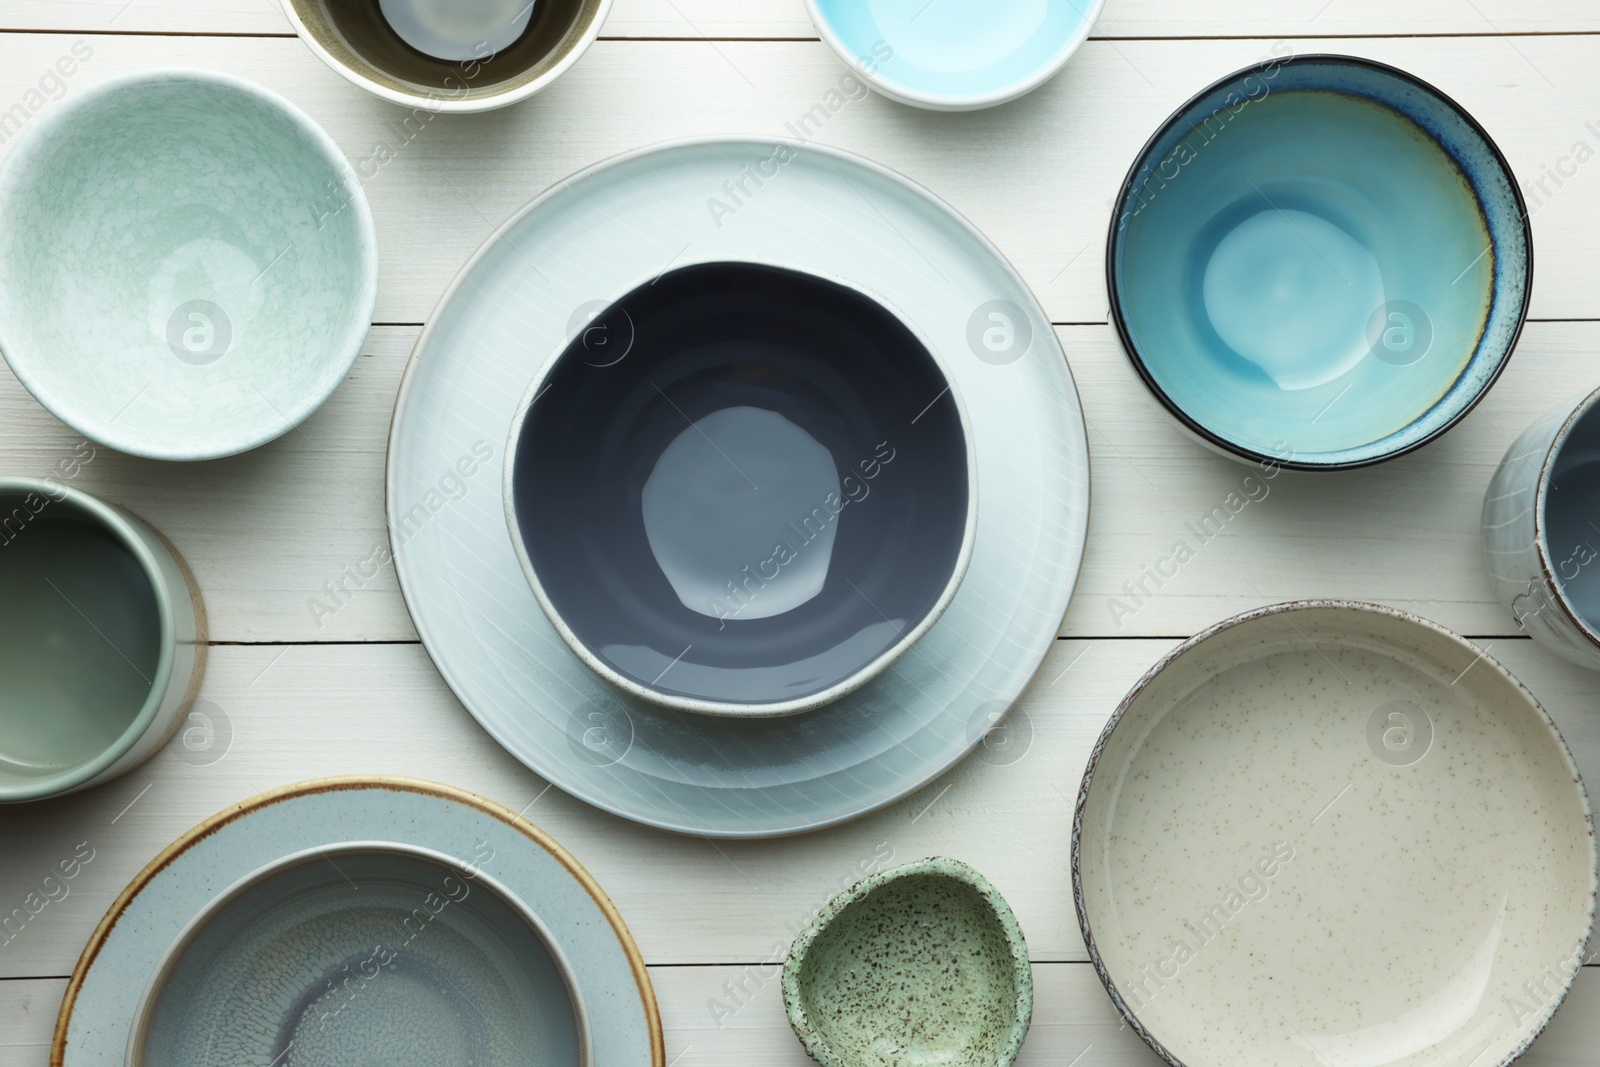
742 489
1320 262
363 952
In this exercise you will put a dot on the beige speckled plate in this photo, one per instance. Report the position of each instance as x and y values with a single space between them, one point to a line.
1338 835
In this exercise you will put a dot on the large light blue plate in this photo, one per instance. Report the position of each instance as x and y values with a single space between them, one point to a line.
527 294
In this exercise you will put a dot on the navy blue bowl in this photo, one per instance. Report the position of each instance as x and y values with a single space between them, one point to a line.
742 490
1321 262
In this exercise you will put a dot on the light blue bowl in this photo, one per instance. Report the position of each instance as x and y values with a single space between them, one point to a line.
954 55
1320 262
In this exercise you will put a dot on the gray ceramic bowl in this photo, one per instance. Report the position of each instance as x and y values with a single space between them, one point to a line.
364 952
742 489
449 55
918 965
188 267
102 640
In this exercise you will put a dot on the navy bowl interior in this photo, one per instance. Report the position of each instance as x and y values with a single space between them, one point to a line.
742 484
1319 260
1572 517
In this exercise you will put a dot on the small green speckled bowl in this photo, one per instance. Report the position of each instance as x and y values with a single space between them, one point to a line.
919 964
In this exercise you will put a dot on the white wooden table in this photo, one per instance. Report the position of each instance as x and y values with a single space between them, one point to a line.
355 692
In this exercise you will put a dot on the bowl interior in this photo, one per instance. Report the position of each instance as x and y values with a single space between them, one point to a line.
957 48
1571 526
80 639
920 971
1335 835
183 271
742 484
362 954
449 50
1321 259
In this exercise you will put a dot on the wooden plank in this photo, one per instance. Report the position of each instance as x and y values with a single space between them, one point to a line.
788 18
733 1016
1037 176
28 1010
1072 1018
308 711
267 532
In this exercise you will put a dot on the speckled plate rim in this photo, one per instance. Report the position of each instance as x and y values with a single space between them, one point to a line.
1589 405
226 896
945 867
1546 1012
1004 94
650 1017
344 354
771 708
1215 441
1071 412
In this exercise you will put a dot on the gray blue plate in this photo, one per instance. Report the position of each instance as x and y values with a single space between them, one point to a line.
533 288
357 921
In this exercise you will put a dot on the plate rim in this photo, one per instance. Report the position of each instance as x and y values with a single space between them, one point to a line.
354 783
588 172
1282 608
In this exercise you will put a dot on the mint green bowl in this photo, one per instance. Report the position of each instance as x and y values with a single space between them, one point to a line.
188 265
102 643
919 965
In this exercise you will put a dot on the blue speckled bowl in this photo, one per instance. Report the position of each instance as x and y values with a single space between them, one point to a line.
954 55
1319 261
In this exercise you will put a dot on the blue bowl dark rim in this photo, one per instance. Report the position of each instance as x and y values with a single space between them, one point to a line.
1120 321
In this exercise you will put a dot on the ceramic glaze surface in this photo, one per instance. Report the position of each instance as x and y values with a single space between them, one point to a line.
457 30
474 962
599 235
79 643
1541 531
188 267
922 964
361 955
759 504
99 643
449 55
1571 514
956 54
1319 261
1334 834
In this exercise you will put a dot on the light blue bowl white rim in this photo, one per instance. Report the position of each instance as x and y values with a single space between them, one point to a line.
1222 444
37 138
958 101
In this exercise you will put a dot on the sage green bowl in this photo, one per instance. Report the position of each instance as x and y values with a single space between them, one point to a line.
102 640
917 965
188 265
